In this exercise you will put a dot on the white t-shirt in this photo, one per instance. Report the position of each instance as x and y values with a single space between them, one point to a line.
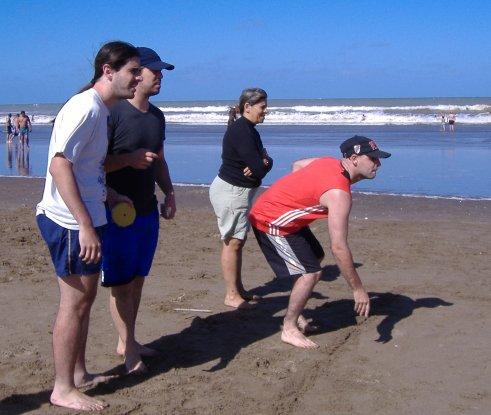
80 134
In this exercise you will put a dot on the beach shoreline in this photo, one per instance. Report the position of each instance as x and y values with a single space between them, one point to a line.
425 262
425 162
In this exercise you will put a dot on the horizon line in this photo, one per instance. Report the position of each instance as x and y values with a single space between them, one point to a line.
273 99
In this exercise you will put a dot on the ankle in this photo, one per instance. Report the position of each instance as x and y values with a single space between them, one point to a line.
63 388
290 325
131 347
80 375
232 295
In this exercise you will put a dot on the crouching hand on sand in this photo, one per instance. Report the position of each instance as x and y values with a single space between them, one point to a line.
362 302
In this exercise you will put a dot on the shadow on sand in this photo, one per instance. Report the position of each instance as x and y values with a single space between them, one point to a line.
217 339
332 316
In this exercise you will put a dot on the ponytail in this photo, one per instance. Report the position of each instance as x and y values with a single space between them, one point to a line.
232 115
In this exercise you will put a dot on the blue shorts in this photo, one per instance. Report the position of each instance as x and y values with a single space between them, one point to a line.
64 247
128 252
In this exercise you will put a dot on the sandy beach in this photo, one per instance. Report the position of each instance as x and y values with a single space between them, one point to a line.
423 350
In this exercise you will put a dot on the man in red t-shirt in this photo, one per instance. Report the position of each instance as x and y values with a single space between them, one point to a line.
317 188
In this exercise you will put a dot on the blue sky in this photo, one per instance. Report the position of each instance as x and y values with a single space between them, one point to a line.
293 49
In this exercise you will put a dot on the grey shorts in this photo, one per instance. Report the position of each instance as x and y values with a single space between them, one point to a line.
231 204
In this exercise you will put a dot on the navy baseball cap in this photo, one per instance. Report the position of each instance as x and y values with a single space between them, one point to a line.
151 60
362 145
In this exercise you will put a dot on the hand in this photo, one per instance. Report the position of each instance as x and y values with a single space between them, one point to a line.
265 158
90 245
141 159
168 208
113 198
362 302
247 172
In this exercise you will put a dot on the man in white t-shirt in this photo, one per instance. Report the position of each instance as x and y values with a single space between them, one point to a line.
71 216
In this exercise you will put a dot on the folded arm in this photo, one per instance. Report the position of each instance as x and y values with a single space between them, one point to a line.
258 164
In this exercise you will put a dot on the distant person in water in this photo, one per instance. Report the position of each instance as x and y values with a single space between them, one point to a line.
451 122
9 128
15 130
25 127
443 121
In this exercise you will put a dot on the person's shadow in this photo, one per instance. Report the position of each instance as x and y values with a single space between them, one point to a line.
332 316
214 341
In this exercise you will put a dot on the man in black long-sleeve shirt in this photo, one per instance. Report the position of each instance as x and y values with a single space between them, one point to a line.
244 164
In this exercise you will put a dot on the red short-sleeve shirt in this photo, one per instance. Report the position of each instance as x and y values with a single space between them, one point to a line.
293 202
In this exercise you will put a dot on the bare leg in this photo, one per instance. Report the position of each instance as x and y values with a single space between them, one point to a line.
298 299
77 294
231 269
122 306
136 294
82 378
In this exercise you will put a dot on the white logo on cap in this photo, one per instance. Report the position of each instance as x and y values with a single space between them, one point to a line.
357 148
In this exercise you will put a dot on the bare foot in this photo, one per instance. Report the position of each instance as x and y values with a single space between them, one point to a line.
305 327
91 380
251 297
142 350
75 399
297 339
237 302
134 365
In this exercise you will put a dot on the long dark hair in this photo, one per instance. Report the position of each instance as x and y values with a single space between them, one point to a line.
115 54
249 96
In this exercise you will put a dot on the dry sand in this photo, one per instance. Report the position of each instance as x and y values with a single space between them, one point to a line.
424 350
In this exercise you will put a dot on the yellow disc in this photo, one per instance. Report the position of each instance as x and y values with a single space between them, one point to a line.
123 214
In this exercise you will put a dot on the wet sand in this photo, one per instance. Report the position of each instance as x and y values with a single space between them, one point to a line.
424 349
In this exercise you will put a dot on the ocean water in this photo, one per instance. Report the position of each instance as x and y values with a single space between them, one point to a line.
425 160
368 111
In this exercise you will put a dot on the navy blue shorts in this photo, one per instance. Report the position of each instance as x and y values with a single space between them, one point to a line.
64 247
128 252
291 255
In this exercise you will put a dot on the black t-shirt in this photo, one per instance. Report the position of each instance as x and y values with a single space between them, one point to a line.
128 130
242 147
